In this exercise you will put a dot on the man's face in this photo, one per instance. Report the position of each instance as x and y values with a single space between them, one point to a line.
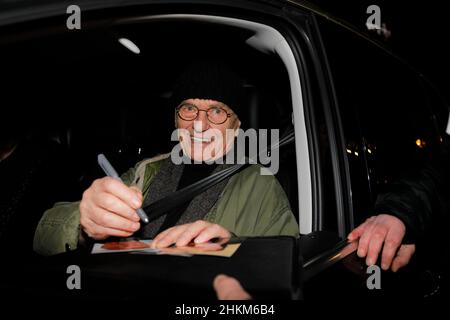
201 139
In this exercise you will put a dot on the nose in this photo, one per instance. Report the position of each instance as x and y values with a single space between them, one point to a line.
201 124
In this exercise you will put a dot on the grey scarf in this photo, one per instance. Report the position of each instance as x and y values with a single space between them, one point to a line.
165 182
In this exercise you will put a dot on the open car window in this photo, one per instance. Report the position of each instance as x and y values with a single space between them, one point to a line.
107 88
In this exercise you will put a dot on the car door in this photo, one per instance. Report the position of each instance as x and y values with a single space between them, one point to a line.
387 128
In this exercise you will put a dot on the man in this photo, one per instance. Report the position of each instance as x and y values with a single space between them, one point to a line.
407 213
410 210
207 100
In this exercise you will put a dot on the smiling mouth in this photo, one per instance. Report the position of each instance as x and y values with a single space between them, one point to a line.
202 140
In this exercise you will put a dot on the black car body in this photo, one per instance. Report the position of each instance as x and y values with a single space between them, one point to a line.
362 117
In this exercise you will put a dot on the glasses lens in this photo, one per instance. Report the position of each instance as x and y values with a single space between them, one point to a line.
188 111
217 115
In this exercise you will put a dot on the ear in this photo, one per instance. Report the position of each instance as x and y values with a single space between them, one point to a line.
238 124
236 129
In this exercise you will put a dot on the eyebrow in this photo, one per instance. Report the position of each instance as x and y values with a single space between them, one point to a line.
214 104
220 104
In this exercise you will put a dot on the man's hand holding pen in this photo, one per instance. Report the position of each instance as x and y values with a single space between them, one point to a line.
108 208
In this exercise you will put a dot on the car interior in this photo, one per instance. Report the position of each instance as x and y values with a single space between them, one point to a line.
85 93
68 96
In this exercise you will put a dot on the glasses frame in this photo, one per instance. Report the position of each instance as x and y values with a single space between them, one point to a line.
198 112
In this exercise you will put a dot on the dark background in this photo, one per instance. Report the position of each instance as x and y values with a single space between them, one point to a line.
419 32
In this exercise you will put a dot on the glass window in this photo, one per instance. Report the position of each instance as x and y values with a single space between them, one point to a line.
388 125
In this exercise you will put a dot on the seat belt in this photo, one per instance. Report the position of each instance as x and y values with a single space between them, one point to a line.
162 206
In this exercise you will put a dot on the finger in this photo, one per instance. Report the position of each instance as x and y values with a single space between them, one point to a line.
212 231
191 232
112 232
120 190
111 220
137 191
378 235
364 240
97 232
90 228
171 237
208 246
160 236
228 288
111 203
403 257
357 232
392 243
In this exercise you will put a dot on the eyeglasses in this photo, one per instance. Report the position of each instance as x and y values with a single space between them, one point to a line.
215 114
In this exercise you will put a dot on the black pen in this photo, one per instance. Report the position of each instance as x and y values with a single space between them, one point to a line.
111 172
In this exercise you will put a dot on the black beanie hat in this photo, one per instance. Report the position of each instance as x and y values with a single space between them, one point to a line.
210 79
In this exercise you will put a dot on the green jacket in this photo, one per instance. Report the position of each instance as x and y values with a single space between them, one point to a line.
251 204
